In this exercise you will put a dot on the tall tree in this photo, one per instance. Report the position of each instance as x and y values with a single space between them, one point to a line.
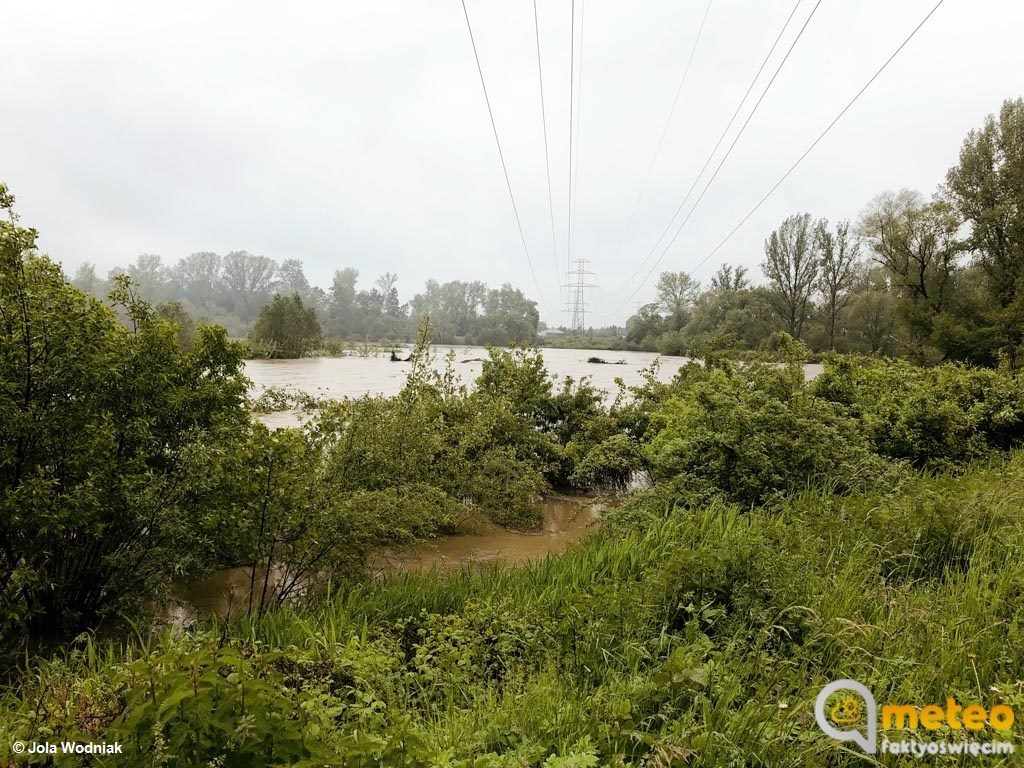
87 280
198 275
987 189
248 280
509 317
916 241
387 285
291 278
792 265
149 273
677 292
838 252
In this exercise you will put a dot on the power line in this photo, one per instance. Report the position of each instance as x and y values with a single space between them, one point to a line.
821 136
547 161
579 110
718 143
572 82
664 131
718 168
501 155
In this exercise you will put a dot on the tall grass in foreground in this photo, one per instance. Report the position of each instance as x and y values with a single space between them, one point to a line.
670 637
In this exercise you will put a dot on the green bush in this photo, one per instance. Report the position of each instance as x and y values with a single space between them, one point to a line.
933 417
702 639
285 328
101 423
755 432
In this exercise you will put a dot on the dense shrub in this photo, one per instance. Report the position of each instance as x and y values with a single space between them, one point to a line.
702 639
933 417
755 432
472 447
569 419
100 422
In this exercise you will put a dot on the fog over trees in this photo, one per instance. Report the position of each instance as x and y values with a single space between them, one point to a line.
928 278
231 289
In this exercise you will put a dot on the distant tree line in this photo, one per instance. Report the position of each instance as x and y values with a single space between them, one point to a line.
231 290
939 278
928 278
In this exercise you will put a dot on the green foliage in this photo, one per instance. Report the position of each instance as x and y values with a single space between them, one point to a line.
943 278
754 432
174 312
701 639
100 424
562 426
474 448
287 327
933 417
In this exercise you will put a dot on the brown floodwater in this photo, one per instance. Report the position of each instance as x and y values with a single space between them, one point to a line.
566 519
354 376
482 543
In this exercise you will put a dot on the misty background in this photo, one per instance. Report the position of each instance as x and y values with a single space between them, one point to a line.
356 135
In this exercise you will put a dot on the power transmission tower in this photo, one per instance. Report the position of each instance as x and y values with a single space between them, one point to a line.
577 285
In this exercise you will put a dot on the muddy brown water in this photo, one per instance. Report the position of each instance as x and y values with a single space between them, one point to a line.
354 376
566 519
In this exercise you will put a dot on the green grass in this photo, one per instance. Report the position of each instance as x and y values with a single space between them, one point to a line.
679 637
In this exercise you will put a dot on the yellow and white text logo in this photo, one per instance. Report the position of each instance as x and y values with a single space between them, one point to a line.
847 711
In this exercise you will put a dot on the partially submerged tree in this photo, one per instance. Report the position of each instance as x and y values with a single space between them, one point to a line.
287 327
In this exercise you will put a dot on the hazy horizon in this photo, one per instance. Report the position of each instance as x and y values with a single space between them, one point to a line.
357 135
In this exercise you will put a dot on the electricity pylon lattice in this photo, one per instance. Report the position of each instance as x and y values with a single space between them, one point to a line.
577 285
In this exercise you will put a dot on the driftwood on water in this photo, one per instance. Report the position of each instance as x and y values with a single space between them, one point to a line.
602 361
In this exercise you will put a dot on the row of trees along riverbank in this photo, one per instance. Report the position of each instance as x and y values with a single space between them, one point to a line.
927 278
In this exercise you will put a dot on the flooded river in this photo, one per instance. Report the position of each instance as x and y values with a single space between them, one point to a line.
353 376
566 519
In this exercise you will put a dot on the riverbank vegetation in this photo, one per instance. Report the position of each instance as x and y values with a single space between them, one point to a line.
925 278
676 635
865 524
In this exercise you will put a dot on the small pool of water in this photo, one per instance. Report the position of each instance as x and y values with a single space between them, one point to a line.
566 519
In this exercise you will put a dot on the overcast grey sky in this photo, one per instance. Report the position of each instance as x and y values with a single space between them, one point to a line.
356 134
